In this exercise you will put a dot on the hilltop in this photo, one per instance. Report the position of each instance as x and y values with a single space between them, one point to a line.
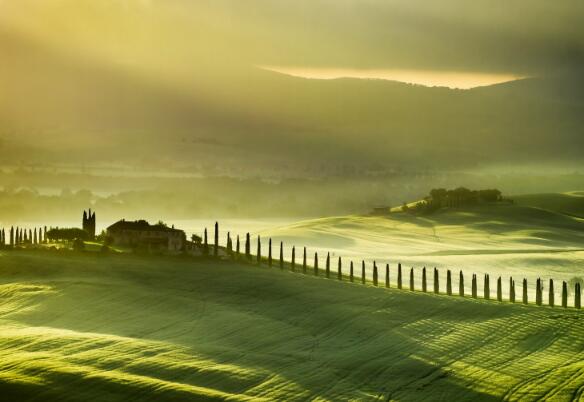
121 327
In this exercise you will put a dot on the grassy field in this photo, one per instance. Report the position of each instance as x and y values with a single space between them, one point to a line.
502 240
77 327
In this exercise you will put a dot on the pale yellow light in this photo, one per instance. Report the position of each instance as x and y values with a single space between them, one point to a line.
429 78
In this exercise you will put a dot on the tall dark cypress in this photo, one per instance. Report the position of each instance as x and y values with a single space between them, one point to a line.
340 270
448 283
461 284
12 235
374 273
436 283
538 292
281 255
351 273
205 243
363 278
474 288
293 264
525 299
577 296
229 243
304 260
551 296
237 247
315 264
247 246
41 240
499 290
328 265
487 288
387 275
270 252
564 294
399 276
216 245
259 251
412 279
45 233
34 238
511 290
424 287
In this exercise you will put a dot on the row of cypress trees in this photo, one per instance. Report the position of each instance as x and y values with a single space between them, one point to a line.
16 236
375 275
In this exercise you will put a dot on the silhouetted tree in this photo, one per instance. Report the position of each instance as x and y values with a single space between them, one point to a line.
270 252
45 234
247 246
12 235
316 264
293 264
525 299
281 255
399 276
551 296
461 284
448 283
363 278
499 290
487 288
304 260
340 272
412 279
436 283
216 245
474 289
34 238
205 243
577 295
25 236
564 294
229 243
328 265
511 290
68 234
351 273
538 292
387 275
237 247
374 273
424 287
259 251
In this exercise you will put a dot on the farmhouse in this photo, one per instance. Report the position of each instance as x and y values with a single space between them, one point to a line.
142 234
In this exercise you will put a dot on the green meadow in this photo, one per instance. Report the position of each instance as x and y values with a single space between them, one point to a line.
120 327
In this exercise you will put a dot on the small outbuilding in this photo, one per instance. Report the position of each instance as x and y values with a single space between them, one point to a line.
144 235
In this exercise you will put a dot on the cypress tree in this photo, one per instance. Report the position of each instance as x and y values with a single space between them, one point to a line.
229 244
293 264
315 264
237 247
281 255
12 235
374 273
363 279
34 238
351 273
205 243
387 275
216 245
424 288
247 246
538 292
304 260
45 233
25 239
551 296
511 290
340 272
41 240
487 288
474 286
499 290
412 279
436 283
461 284
328 265
399 276
564 294
448 283
577 296
270 252
525 300
259 252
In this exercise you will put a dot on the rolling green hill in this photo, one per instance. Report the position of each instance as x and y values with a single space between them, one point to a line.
77 327
571 203
505 240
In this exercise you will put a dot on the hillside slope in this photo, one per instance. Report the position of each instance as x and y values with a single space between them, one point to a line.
128 328
571 203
